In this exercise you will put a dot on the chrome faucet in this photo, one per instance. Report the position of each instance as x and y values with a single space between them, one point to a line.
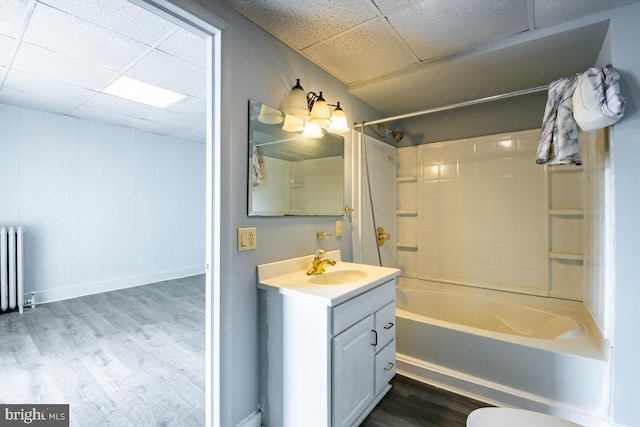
318 263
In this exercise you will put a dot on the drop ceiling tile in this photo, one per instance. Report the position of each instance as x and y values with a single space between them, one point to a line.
121 17
153 127
444 27
97 115
389 6
193 107
161 69
68 35
368 51
200 137
304 23
188 46
177 120
31 84
105 102
12 13
38 61
21 99
6 48
550 12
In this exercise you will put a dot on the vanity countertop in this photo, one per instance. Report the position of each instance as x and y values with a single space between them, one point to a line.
288 277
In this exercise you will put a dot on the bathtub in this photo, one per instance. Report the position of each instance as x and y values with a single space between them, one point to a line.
512 350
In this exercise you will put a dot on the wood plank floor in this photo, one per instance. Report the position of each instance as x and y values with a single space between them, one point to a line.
413 404
133 357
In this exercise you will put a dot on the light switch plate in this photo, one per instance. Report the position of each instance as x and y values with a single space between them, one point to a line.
338 228
246 239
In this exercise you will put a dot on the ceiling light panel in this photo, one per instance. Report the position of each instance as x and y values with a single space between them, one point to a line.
38 61
121 17
304 23
68 35
167 71
187 46
369 50
105 102
444 27
12 13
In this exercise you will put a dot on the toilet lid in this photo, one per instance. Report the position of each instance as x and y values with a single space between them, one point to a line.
508 417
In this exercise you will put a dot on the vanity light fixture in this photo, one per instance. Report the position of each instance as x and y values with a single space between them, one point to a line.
313 108
311 131
270 115
292 124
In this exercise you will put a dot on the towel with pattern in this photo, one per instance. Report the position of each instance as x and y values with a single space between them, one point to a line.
558 143
597 102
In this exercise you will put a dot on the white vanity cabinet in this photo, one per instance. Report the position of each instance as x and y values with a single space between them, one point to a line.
363 354
326 361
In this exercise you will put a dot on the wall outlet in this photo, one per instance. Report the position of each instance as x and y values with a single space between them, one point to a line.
246 239
338 228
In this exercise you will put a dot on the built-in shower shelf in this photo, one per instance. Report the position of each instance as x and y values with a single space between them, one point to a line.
407 245
566 212
407 212
564 169
407 179
566 256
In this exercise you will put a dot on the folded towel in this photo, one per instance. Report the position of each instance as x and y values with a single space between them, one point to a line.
597 102
257 166
559 135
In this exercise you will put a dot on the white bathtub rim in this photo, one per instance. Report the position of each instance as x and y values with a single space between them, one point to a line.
590 344
495 394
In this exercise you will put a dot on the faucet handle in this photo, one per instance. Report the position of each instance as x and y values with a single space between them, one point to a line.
319 253
321 235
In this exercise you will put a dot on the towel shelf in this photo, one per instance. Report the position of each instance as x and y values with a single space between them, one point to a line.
406 179
566 212
566 256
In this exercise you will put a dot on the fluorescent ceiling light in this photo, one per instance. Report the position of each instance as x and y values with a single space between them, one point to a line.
145 93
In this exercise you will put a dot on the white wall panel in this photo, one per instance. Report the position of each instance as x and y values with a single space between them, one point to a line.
103 206
9 164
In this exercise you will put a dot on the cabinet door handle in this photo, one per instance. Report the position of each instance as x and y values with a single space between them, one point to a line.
389 325
389 366
375 336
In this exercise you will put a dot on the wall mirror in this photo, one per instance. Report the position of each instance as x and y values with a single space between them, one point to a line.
290 174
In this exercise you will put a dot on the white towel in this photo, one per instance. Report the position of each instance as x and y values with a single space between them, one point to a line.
257 166
559 135
597 102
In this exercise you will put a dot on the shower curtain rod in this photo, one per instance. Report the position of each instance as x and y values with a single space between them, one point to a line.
454 106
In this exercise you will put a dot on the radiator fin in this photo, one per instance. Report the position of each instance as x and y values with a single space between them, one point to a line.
11 269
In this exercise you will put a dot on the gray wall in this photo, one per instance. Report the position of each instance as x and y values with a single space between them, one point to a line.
625 149
256 66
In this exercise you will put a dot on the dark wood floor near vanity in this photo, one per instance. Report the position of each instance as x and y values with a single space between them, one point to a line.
413 404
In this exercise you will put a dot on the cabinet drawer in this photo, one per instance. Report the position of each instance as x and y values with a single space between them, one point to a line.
350 312
385 320
385 366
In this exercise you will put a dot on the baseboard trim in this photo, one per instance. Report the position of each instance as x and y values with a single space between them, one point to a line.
84 289
253 420
489 392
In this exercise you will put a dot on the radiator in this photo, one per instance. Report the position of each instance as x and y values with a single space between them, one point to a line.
11 269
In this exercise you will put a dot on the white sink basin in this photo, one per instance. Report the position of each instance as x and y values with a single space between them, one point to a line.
339 277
